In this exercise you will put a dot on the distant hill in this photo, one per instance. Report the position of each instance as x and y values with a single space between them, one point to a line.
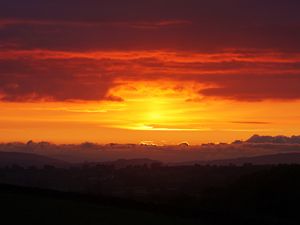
28 159
284 158
122 163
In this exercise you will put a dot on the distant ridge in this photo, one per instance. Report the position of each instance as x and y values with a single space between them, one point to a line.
123 163
282 158
28 159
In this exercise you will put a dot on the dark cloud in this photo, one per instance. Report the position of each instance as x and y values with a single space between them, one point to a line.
274 139
251 122
249 28
189 25
52 81
61 76
37 87
245 87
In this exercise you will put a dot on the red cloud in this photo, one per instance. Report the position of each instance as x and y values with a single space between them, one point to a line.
246 87
61 87
62 76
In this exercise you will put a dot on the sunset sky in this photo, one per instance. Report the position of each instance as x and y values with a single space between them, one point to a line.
131 71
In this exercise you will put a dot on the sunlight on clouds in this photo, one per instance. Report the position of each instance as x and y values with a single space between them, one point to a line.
155 106
155 110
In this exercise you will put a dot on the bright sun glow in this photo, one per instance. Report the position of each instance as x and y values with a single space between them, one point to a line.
149 112
154 107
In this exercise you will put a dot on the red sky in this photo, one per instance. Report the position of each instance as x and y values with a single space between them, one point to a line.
161 71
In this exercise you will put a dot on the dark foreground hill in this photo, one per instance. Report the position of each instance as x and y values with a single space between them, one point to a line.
216 195
32 206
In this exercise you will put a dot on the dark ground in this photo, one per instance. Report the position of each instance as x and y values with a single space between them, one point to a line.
208 195
30 206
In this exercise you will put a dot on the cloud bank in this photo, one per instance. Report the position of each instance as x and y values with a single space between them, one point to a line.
62 50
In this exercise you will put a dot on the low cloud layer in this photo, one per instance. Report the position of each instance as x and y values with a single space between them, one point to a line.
274 139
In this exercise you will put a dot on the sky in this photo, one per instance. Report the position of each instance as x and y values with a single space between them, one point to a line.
161 71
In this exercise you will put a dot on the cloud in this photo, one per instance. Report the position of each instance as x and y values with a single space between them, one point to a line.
254 87
187 25
62 51
34 80
32 75
4 23
274 139
37 87
251 122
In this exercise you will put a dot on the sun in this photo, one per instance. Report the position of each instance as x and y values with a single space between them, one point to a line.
152 112
153 106
155 116
156 109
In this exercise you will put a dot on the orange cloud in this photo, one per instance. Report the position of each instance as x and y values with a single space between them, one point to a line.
33 75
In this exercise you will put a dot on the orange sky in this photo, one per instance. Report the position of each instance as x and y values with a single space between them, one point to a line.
151 111
134 71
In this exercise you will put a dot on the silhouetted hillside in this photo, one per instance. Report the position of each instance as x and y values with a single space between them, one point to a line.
91 152
215 195
122 163
33 206
28 159
288 158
